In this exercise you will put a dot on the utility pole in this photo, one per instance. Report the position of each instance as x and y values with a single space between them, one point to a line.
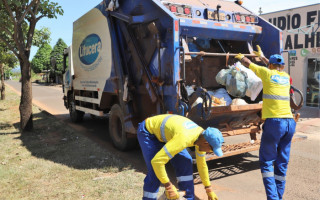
260 11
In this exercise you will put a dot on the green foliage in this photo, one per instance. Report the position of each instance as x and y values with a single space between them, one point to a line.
41 61
57 53
7 58
41 37
18 19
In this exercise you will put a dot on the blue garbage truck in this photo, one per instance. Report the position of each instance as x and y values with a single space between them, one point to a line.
132 59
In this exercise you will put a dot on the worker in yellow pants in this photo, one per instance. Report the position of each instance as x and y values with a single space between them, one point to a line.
166 137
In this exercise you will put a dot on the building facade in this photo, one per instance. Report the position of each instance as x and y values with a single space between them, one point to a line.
301 47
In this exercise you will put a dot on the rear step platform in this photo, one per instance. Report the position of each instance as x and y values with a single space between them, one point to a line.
240 148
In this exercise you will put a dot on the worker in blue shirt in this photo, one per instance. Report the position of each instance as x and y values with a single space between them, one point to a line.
279 125
166 137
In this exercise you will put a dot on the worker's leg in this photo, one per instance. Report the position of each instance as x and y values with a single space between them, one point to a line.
267 155
281 163
149 146
182 163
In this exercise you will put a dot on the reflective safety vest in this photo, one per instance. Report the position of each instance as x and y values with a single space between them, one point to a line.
178 133
276 92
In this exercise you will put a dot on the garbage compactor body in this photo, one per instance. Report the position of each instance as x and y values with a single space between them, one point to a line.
142 58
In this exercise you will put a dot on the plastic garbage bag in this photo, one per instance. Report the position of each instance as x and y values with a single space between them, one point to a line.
190 89
238 102
236 82
203 43
253 81
221 93
221 77
193 48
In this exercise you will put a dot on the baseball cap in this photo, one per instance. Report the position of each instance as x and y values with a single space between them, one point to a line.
276 59
215 139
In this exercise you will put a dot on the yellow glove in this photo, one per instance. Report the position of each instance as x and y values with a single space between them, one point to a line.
239 56
211 194
259 53
171 192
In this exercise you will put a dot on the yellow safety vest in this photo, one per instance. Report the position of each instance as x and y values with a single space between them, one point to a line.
178 133
276 95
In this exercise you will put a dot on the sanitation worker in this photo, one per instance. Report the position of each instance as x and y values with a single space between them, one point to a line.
164 138
279 125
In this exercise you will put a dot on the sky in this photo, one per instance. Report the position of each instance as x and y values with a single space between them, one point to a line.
73 9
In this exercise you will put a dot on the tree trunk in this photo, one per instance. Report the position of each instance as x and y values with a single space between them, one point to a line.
25 108
3 88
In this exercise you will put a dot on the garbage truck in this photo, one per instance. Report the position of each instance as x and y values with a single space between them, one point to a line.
130 60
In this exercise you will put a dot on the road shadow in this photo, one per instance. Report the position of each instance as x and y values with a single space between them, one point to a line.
230 166
53 139
7 126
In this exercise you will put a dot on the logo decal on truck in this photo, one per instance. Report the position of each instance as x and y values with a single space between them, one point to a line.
89 51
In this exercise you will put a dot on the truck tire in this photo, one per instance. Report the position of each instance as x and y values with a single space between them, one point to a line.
76 116
117 130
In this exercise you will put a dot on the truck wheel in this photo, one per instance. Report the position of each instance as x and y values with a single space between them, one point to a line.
117 130
75 115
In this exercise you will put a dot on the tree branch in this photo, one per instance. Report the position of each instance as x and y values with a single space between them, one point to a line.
9 11
9 46
40 17
28 9
16 36
6 30
33 21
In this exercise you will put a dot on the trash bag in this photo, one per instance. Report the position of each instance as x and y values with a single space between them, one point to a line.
253 81
193 48
236 82
221 77
221 93
203 43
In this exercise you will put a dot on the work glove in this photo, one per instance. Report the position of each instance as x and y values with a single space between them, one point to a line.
171 192
259 53
240 56
211 194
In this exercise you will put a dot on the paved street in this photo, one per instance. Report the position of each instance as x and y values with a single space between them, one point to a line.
48 98
233 178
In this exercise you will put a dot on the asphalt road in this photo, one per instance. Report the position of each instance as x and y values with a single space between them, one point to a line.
233 178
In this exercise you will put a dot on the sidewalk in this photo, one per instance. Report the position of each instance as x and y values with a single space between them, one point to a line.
309 123
308 113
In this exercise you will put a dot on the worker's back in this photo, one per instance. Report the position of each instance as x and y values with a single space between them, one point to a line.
276 96
166 126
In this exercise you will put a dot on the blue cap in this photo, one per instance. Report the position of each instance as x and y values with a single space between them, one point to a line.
215 139
276 59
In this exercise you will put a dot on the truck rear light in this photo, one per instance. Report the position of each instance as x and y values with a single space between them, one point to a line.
238 18
243 18
173 9
248 19
180 10
186 11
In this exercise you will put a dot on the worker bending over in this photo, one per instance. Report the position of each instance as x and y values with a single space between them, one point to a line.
166 137
279 125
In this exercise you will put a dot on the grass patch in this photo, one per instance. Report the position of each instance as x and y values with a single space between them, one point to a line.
55 162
